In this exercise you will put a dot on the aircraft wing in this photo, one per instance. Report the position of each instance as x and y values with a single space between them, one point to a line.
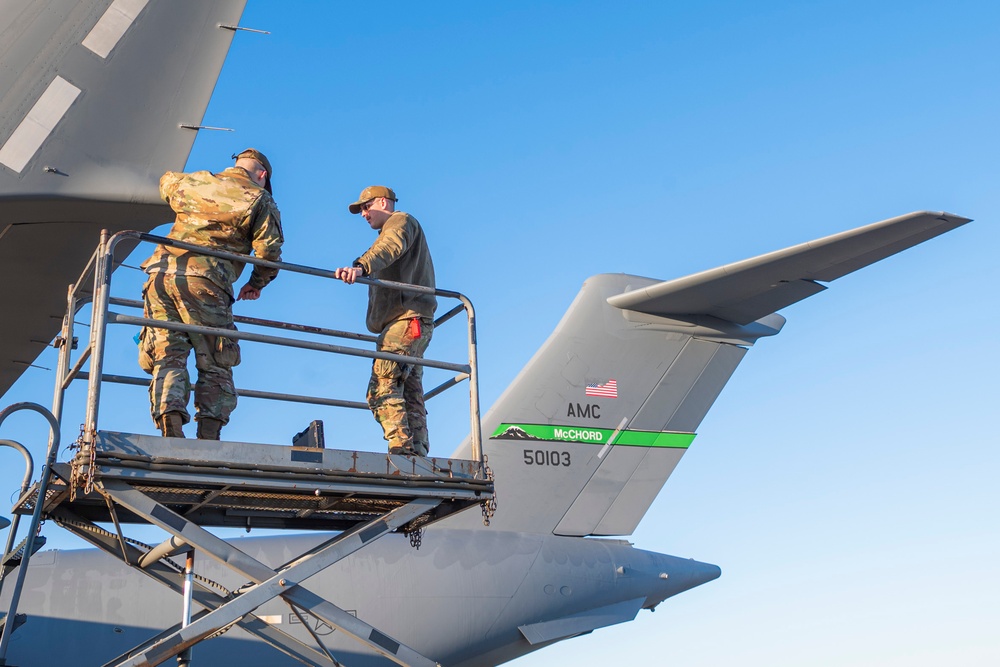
94 96
745 291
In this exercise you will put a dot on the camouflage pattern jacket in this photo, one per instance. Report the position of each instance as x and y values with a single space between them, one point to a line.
225 211
399 253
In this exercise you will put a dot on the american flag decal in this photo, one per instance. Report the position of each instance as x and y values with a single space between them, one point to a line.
607 390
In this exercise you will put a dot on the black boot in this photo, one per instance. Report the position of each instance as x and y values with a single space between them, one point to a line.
171 425
209 429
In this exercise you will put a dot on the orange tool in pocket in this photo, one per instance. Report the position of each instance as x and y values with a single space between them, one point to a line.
415 328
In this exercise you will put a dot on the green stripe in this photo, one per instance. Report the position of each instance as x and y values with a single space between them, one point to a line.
592 436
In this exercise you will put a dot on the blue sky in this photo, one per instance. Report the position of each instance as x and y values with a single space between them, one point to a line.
845 479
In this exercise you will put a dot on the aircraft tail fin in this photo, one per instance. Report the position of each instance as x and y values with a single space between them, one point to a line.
585 437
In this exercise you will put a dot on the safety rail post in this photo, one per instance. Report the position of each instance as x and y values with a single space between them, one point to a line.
477 435
73 303
29 471
98 325
476 426
65 345
36 516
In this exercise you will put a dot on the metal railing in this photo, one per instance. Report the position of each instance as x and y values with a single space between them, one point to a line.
100 268
28 547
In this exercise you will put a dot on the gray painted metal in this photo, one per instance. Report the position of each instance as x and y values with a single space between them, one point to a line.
666 381
689 387
237 462
118 318
576 624
641 486
242 392
98 336
288 326
165 549
264 486
459 599
205 594
99 166
271 583
748 290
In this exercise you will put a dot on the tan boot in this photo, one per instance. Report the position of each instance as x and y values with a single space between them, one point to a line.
402 448
171 425
209 429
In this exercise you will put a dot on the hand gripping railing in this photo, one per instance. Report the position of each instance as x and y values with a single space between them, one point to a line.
101 265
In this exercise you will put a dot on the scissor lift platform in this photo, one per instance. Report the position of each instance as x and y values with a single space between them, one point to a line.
184 486
247 485
187 486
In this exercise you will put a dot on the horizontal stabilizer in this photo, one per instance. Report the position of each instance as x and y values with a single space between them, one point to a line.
745 291
578 624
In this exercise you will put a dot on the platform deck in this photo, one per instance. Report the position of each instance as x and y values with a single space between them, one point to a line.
251 485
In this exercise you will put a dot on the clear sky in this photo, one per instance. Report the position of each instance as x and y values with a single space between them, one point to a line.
845 480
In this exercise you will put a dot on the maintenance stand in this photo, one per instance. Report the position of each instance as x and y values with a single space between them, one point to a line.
185 486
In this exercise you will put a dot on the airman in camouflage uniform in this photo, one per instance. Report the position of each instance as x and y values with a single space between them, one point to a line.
403 320
232 211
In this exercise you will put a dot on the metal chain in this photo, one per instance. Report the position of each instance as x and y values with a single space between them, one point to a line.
221 631
489 506
416 538
88 486
75 472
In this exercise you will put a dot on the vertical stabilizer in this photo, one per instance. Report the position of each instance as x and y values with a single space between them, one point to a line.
587 434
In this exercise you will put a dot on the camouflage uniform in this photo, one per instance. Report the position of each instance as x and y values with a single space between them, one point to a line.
396 391
224 211
404 322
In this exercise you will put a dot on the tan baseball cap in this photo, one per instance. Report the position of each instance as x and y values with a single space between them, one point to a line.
369 193
255 154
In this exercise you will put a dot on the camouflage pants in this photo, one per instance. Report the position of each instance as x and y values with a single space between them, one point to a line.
395 391
164 354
